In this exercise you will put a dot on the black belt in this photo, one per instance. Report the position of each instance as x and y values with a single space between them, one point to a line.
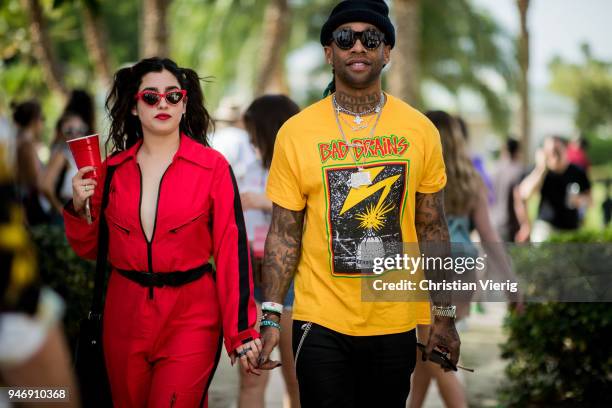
160 279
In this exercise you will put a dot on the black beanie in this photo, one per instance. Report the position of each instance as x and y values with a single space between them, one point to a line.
375 12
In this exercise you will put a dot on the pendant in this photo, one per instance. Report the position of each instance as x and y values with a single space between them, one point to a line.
358 120
360 178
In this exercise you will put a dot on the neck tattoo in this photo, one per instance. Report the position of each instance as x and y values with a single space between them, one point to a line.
361 177
359 112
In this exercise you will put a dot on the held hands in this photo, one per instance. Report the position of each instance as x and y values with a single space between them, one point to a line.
82 188
444 337
271 338
248 355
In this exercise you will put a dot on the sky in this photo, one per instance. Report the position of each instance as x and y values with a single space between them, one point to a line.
558 27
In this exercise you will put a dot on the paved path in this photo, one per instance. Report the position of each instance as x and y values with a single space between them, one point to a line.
480 350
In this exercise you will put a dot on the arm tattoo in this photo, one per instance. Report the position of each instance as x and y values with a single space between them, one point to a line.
282 252
434 241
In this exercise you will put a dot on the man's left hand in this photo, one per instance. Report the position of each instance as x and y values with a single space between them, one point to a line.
444 337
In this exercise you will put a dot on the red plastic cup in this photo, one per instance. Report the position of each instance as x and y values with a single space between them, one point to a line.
86 152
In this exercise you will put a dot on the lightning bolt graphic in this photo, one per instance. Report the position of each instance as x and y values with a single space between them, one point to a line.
357 195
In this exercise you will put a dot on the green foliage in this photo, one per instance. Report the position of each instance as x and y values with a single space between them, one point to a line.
460 46
69 275
600 149
589 84
560 353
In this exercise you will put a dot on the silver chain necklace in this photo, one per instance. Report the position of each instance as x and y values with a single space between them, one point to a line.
358 116
361 177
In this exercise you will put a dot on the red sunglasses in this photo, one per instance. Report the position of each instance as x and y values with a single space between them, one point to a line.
152 98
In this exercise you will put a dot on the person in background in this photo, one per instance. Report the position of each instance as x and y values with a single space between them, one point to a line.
29 120
262 119
564 190
81 103
33 350
78 119
465 199
506 177
56 182
477 160
231 139
577 153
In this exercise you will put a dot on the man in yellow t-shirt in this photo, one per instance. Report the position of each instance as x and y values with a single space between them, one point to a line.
353 177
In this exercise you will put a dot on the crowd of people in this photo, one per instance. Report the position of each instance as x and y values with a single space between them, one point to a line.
256 234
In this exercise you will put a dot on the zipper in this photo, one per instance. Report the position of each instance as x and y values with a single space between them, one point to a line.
172 400
306 327
150 243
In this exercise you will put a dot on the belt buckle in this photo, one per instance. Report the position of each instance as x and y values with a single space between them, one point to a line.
156 280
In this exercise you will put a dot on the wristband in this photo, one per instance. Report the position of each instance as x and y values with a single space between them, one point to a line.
267 315
270 323
272 307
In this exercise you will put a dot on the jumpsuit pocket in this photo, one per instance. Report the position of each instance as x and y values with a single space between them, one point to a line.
185 224
118 226
120 242
306 327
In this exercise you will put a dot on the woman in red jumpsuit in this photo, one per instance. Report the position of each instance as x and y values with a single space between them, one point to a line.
173 204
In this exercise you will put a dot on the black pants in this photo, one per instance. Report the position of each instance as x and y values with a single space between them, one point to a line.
337 370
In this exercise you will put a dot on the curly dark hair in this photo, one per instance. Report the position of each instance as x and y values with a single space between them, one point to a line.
126 129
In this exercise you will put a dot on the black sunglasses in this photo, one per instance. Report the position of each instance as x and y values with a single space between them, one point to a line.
346 38
440 358
75 131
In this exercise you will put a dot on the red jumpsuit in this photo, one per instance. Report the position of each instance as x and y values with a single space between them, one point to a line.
162 351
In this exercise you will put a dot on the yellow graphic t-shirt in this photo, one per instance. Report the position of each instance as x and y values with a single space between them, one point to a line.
312 168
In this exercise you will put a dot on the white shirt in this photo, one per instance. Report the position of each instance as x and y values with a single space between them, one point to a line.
234 144
257 221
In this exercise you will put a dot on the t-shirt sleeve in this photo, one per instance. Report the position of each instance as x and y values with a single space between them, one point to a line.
433 178
284 186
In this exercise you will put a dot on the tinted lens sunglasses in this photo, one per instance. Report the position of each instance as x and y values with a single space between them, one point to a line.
346 38
72 132
152 98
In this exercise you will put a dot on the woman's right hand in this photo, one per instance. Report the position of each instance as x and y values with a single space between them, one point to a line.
82 188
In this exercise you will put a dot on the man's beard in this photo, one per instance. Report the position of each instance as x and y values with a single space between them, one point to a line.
347 78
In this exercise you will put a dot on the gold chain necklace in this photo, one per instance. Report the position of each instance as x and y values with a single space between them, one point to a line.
361 177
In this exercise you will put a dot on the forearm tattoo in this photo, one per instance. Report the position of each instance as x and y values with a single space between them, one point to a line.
282 252
434 240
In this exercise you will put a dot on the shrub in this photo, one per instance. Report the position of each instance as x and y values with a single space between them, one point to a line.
560 353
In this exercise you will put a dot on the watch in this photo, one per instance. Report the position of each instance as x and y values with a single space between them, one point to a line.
445 311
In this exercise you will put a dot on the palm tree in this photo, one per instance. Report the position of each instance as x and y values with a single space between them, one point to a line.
271 76
461 49
404 76
154 32
523 59
96 39
43 49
